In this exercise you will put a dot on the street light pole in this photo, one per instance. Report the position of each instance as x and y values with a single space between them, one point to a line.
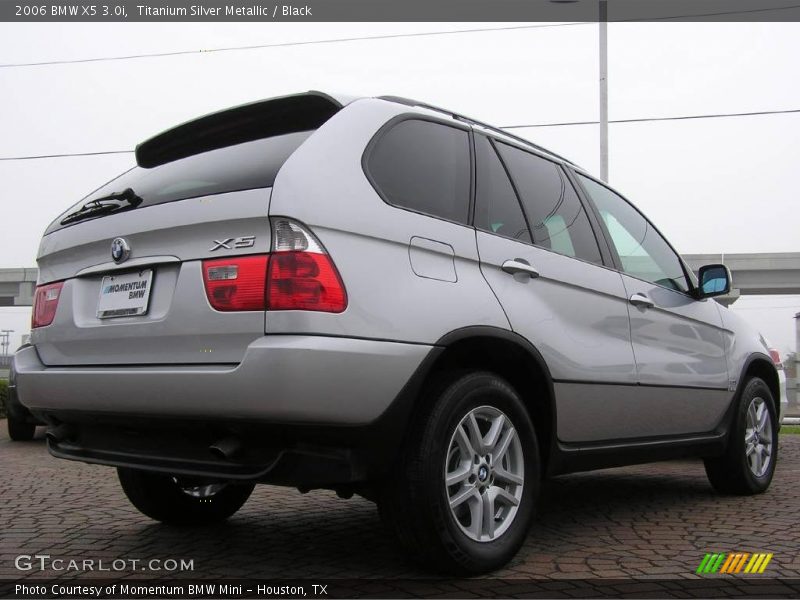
603 20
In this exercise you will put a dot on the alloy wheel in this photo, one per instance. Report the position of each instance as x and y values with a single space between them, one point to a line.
758 437
484 473
203 491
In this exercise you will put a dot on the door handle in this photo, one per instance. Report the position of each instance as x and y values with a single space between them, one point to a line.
520 265
642 301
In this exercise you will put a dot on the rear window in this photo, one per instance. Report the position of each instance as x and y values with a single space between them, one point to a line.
241 167
497 208
556 215
424 167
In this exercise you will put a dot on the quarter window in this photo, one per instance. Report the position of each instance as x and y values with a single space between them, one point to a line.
642 251
555 214
424 167
497 208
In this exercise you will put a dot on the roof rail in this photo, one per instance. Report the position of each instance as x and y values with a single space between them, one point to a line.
460 117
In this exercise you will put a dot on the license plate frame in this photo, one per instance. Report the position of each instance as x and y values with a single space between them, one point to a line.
125 294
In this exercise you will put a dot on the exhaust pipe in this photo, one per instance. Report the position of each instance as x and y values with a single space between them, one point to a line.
226 448
59 433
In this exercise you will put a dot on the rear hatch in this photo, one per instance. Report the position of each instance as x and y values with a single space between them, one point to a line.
123 267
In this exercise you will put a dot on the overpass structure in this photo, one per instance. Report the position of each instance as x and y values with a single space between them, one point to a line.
753 274
16 286
758 274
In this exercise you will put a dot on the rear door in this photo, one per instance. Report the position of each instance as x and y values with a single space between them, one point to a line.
678 341
541 257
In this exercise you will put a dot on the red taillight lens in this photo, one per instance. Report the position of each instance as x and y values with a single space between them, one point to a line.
775 356
45 304
297 275
237 283
304 281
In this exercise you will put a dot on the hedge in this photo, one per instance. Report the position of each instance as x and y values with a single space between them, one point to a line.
3 393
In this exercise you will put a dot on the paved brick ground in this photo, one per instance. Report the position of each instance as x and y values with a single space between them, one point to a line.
646 521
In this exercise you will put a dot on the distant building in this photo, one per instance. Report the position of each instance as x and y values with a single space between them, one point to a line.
796 344
797 336
793 370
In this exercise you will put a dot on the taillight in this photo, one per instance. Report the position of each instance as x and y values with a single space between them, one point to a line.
297 275
301 274
45 304
236 283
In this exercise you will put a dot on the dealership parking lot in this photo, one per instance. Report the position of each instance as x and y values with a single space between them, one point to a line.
646 521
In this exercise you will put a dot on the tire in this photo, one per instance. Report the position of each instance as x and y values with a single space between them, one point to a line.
737 470
20 431
162 498
415 502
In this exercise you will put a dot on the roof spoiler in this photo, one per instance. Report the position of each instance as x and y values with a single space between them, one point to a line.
245 123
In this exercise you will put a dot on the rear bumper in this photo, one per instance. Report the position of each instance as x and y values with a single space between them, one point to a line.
268 454
14 409
304 411
282 379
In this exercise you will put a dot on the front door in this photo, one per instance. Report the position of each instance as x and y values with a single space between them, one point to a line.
678 341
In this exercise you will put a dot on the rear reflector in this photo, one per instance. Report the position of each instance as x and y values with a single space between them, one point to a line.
45 304
236 283
775 356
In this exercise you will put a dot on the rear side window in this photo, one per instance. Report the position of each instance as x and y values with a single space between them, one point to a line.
241 167
497 208
556 216
423 166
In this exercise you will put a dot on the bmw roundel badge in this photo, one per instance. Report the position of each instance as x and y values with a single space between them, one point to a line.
120 250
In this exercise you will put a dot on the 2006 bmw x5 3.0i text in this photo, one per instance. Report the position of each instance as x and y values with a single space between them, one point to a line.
381 297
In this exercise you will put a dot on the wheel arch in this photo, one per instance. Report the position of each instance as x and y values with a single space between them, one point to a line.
512 357
761 366
756 365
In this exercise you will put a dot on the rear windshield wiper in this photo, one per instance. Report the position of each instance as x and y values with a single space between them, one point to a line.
107 204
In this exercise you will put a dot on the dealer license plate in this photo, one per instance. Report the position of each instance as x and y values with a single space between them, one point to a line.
126 295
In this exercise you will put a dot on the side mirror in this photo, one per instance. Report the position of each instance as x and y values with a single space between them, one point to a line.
715 280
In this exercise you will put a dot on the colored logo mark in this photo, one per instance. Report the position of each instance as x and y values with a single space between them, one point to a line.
733 563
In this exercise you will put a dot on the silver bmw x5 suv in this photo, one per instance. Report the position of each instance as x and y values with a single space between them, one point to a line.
381 297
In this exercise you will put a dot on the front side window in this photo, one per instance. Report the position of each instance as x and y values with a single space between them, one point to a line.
556 216
424 167
642 251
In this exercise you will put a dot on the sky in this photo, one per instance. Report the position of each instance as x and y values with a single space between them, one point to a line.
712 185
